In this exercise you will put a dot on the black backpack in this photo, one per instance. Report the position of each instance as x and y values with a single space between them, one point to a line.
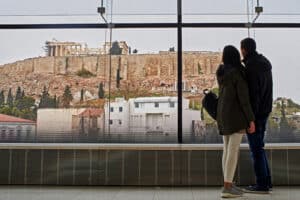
210 103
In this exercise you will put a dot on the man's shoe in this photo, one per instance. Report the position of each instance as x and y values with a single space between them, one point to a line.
231 193
271 187
257 189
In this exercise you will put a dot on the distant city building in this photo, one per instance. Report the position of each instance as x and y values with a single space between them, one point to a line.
297 114
58 48
154 115
14 128
296 121
117 116
56 121
149 115
66 122
89 123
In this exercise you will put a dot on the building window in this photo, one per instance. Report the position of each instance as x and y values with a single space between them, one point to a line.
136 105
3 133
94 122
156 104
18 133
120 122
19 130
3 129
110 121
120 109
172 104
28 132
111 109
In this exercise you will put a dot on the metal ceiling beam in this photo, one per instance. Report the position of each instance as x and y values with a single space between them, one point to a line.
148 25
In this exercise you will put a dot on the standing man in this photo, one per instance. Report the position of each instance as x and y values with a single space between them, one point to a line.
260 83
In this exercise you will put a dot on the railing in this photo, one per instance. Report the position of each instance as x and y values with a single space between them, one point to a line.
140 147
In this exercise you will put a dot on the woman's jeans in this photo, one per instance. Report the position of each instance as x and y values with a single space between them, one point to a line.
260 162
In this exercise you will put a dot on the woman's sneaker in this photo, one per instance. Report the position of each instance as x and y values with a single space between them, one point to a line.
231 193
237 188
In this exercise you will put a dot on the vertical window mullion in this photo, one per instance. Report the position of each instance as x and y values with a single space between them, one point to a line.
179 68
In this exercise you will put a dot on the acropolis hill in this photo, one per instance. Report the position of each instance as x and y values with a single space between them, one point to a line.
153 72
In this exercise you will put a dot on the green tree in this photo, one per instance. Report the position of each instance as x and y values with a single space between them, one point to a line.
10 99
67 97
6 110
2 98
118 75
18 94
81 95
115 48
284 125
24 108
19 100
135 51
27 108
45 101
199 69
292 104
26 103
55 102
101 91
23 94
58 100
202 113
118 78
215 90
84 73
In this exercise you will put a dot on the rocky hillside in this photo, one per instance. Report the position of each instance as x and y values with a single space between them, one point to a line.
152 72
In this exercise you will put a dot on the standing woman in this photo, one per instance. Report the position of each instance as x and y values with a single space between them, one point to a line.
234 115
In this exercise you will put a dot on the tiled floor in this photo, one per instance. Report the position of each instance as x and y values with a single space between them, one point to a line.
133 193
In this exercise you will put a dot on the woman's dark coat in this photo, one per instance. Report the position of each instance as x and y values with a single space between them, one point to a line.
234 111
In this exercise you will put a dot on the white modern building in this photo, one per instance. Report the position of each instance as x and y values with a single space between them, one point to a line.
149 115
69 122
153 115
56 121
14 128
117 116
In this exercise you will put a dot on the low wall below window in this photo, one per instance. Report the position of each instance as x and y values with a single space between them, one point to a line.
137 164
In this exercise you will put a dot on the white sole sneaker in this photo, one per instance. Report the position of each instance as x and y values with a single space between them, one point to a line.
229 195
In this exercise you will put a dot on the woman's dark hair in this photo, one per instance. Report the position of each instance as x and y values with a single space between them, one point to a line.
231 56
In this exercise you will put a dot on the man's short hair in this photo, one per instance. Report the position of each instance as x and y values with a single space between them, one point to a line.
248 44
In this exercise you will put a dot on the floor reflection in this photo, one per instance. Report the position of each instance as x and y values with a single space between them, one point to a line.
134 193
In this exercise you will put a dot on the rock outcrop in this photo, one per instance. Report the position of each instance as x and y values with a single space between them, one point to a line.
155 72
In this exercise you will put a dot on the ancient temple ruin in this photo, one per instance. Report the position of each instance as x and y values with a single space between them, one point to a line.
58 48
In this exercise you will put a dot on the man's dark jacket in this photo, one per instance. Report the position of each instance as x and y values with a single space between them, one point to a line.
260 83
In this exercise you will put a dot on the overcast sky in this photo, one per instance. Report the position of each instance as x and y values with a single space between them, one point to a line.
281 46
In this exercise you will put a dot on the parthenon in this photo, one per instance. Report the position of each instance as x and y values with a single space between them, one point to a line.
58 48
